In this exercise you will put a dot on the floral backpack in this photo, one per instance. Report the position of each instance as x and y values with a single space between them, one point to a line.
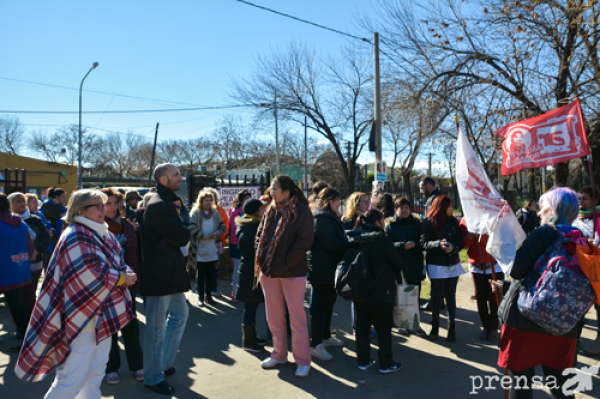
556 293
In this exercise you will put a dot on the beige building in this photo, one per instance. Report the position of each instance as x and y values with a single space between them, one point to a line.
39 174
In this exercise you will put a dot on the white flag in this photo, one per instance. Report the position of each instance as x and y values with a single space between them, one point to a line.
486 212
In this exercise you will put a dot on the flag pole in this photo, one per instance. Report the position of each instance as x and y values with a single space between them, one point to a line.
591 172
491 265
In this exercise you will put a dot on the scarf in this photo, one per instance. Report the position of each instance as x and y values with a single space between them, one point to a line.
25 215
288 213
253 217
114 226
587 213
207 215
97 227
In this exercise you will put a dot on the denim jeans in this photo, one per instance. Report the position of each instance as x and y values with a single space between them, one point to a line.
249 316
166 317
322 299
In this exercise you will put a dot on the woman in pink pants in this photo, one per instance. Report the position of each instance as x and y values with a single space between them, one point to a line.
284 236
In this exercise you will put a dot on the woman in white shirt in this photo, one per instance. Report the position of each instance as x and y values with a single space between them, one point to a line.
206 227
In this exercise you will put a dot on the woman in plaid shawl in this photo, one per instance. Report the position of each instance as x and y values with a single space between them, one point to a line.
84 300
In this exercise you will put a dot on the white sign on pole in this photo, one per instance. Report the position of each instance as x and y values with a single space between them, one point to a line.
227 195
380 171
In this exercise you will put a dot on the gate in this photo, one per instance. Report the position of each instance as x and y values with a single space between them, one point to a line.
195 183
12 183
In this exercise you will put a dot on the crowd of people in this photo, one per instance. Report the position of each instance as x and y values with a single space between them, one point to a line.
106 247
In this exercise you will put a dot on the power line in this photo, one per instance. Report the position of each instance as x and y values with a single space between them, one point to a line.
306 22
94 91
339 32
134 111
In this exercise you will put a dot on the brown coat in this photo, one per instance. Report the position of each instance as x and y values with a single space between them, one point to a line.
289 259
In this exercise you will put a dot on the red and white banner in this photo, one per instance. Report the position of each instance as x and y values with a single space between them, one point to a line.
557 136
486 212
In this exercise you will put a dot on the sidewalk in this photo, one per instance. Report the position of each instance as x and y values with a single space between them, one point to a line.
211 363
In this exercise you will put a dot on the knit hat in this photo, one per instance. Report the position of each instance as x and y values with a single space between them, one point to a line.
252 206
132 194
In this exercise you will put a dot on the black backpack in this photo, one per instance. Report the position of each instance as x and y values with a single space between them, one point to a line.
352 273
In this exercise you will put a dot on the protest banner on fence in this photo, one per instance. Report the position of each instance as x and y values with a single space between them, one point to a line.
227 195
554 137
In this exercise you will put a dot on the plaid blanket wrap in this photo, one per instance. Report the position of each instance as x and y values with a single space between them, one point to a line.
81 283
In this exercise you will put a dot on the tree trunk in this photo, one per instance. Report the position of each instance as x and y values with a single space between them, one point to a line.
561 173
406 181
531 184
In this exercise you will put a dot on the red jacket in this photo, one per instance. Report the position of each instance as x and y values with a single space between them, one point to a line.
476 251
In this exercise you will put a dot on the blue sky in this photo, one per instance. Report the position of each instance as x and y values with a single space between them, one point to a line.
183 53
180 51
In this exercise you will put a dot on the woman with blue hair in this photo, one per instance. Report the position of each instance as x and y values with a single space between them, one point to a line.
523 344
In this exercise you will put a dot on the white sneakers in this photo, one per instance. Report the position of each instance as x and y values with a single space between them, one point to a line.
269 363
320 352
333 341
302 371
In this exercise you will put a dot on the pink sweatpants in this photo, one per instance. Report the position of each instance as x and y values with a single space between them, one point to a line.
278 293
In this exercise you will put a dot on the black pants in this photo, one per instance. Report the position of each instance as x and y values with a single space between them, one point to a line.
133 349
381 316
487 306
443 288
15 299
523 393
204 279
323 298
46 260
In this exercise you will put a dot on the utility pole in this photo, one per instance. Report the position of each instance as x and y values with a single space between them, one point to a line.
276 136
152 159
429 167
305 184
377 99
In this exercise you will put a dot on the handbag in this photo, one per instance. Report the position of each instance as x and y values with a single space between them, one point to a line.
406 310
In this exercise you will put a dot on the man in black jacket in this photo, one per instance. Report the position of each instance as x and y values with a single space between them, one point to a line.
427 187
163 279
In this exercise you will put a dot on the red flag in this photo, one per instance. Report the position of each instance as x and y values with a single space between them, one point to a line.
557 136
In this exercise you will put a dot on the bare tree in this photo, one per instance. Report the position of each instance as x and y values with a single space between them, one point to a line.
11 135
63 145
334 96
526 54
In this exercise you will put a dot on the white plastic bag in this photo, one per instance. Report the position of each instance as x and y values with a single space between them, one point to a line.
406 311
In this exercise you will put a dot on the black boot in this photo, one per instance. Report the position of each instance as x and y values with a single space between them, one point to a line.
209 300
435 326
259 341
249 340
451 332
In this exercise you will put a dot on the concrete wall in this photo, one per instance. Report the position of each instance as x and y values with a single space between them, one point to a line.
40 174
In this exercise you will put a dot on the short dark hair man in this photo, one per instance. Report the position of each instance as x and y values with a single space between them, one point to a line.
527 216
163 279
132 197
428 188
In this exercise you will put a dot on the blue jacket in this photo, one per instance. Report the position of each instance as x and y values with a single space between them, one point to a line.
14 254
49 226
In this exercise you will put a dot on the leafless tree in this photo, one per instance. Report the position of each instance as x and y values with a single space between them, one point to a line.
63 145
333 95
526 53
11 135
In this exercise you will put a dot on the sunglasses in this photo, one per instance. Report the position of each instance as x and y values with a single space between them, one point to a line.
177 206
101 207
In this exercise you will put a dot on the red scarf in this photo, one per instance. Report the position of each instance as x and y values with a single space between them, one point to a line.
288 213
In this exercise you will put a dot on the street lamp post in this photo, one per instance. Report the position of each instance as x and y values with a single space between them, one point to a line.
80 165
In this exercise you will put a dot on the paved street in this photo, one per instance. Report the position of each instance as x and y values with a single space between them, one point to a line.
211 363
